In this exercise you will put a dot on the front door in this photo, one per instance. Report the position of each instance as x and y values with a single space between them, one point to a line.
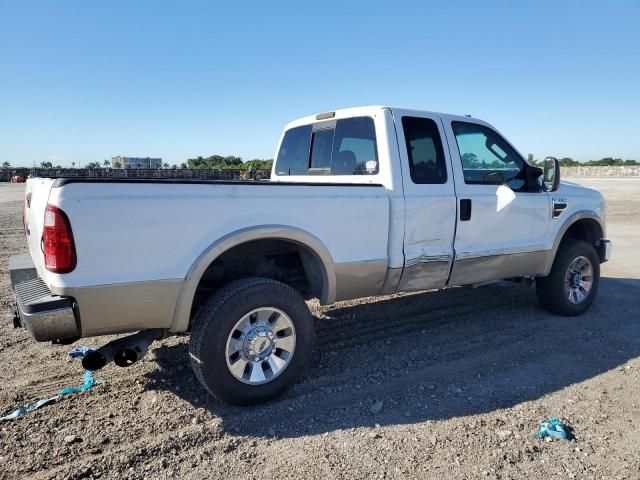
502 219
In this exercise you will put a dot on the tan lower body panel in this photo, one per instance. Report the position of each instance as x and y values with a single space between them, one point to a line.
425 274
497 267
125 307
359 279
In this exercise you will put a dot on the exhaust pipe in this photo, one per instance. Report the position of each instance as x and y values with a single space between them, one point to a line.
123 351
136 347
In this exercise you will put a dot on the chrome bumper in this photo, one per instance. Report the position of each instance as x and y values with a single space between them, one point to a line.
604 250
45 316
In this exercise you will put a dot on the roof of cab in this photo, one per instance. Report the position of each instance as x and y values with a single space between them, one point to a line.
357 111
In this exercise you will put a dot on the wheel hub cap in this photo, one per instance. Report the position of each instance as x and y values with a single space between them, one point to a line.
578 280
260 345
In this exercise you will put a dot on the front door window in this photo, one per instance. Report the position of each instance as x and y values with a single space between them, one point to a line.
487 159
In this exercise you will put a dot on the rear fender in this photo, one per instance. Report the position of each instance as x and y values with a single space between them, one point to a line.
182 312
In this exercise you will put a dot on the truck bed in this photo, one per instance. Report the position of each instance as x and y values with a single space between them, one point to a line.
136 240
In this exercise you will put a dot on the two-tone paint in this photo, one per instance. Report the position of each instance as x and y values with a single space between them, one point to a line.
143 246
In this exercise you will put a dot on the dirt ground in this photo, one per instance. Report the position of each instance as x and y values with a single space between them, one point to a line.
449 384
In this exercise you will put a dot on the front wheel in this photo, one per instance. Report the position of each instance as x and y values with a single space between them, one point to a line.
251 340
573 281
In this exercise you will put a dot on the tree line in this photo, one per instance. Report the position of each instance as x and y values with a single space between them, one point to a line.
231 162
603 162
214 162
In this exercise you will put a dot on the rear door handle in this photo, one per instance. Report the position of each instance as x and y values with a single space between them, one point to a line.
465 209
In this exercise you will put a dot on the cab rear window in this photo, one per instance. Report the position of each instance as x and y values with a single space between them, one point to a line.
337 147
294 152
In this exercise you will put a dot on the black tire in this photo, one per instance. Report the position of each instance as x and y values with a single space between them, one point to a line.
212 327
551 291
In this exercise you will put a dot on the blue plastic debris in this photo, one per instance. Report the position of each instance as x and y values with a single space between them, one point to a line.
29 408
79 352
553 428
89 382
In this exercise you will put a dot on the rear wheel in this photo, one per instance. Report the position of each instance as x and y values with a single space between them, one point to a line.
251 340
573 281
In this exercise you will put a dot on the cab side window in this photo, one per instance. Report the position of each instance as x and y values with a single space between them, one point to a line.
487 159
424 149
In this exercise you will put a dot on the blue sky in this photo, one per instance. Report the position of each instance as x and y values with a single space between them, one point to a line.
86 80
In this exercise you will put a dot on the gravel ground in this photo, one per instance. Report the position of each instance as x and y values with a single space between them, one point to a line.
426 385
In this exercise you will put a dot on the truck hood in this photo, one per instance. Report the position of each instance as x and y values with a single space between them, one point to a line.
573 188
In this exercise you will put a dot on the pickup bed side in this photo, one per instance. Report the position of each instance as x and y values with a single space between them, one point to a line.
156 239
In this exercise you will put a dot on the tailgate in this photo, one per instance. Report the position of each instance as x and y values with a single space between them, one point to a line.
36 198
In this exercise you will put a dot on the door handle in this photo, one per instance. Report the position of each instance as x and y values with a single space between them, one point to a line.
465 209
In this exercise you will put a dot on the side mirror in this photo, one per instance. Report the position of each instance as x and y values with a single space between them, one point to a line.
551 174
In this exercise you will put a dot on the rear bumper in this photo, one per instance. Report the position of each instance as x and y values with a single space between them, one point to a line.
604 250
46 316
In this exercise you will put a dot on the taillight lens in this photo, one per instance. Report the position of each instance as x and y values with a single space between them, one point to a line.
57 242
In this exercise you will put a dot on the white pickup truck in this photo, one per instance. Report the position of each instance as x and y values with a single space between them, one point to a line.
361 202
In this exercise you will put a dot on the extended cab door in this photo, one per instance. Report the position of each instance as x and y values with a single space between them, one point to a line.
430 201
503 217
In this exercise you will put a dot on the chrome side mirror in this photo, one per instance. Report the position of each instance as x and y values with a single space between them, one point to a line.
551 174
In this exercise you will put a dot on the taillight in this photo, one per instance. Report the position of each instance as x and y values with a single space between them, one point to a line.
57 242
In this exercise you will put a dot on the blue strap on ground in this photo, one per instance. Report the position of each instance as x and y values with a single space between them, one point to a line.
553 428
89 382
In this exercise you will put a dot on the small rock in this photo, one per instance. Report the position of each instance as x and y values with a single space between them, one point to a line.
84 472
195 420
376 408
503 434
72 439
548 439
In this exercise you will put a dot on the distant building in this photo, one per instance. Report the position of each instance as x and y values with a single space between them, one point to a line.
136 162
